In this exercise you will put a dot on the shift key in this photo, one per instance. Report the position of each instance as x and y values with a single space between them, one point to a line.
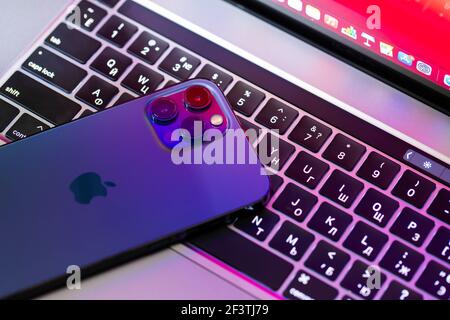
54 69
39 98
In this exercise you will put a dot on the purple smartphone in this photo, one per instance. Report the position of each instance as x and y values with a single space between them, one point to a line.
121 183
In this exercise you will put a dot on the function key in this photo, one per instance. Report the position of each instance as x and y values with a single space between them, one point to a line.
39 98
148 47
435 280
117 31
397 291
307 287
413 188
401 261
26 126
330 221
327 260
111 64
73 43
244 98
440 245
376 207
341 188
291 240
378 170
54 69
276 116
258 225
310 134
295 202
274 152
220 78
412 226
7 114
307 170
440 207
142 80
86 15
344 152
109 3
365 241
179 64
97 93
363 280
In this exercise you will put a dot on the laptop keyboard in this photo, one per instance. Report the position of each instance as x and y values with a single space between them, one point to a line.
338 207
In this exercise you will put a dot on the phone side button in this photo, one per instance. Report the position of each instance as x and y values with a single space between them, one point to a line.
245 256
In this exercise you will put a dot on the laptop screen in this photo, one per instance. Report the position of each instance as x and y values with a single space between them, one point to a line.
412 36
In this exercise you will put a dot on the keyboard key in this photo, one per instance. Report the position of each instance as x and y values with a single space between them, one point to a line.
276 116
54 69
440 207
111 63
97 93
249 259
257 225
275 183
307 170
295 202
401 261
26 126
246 126
413 188
117 31
73 43
327 260
365 241
378 170
273 155
86 113
341 188
179 64
363 280
412 226
376 207
109 3
125 97
292 241
310 134
330 221
220 78
142 80
86 15
344 152
435 280
148 47
244 98
307 287
440 245
40 99
397 291
169 84
7 114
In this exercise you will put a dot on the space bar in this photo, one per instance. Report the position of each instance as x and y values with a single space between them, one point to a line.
245 256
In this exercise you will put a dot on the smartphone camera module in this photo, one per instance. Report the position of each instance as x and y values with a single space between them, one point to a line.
163 110
197 98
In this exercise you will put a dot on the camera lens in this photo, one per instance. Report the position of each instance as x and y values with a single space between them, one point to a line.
197 98
163 110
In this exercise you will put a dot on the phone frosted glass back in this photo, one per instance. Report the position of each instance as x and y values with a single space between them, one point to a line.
137 195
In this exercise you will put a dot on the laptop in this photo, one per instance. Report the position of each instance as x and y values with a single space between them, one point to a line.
360 205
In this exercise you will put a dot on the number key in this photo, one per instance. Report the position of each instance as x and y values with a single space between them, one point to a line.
413 189
378 170
86 15
344 152
179 64
220 78
440 207
276 116
244 98
117 31
148 47
310 134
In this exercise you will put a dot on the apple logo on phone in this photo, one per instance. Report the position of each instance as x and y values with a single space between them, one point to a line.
88 186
